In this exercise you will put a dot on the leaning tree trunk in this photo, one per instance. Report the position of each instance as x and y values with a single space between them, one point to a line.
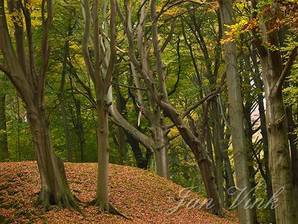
54 187
3 129
201 155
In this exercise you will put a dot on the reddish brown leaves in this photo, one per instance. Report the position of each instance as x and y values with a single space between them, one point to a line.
139 194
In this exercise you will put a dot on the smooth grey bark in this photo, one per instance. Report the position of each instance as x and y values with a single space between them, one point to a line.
101 72
279 156
156 89
239 140
150 110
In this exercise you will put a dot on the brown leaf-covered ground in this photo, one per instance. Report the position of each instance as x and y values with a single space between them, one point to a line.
139 194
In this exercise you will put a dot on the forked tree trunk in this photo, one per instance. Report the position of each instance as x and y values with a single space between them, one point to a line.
277 129
274 74
54 187
30 86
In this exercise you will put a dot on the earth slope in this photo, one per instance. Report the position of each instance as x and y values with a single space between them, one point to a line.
140 195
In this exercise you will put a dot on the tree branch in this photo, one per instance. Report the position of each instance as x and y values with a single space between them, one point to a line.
286 70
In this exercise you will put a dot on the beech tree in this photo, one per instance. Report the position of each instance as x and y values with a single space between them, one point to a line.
28 77
274 73
239 140
100 68
155 80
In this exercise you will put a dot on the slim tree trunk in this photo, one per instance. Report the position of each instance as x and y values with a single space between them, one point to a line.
293 139
62 99
3 129
141 161
120 132
267 177
218 148
64 119
80 129
239 140
261 108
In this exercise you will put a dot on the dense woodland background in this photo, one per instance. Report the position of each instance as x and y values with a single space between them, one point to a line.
202 92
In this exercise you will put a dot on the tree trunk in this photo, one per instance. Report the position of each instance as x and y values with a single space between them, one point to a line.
3 129
250 157
103 151
267 177
30 86
293 138
54 187
162 162
261 108
64 119
274 74
62 101
80 129
206 168
202 157
160 151
277 129
218 148
141 160
120 132
239 140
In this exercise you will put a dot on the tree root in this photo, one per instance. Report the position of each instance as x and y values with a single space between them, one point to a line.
111 209
114 211
47 201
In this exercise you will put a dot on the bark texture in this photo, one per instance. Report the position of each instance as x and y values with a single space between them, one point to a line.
239 140
274 74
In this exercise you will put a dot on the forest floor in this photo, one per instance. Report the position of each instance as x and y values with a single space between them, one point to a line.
140 195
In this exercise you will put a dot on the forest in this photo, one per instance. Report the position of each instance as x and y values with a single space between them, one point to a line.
149 111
